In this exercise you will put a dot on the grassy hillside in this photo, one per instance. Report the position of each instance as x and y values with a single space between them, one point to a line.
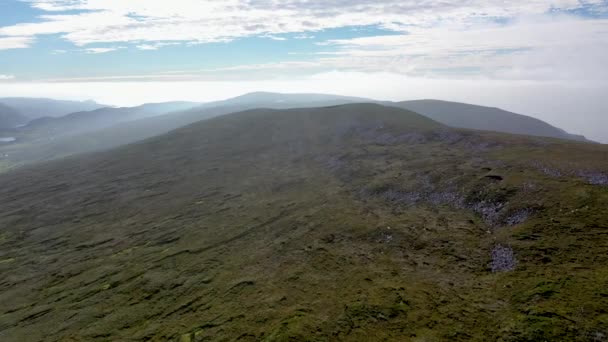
34 146
102 129
51 138
348 223
464 115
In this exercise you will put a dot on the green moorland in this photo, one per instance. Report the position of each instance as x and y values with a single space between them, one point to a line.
347 223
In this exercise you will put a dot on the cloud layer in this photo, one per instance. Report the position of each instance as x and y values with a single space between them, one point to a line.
119 21
7 43
497 39
539 48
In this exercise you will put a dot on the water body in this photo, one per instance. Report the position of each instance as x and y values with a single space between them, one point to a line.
7 140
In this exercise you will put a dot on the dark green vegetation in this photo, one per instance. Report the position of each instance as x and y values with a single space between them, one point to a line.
464 115
352 223
51 138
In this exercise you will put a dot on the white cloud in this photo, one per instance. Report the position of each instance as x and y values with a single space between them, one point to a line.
147 47
304 36
562 48
534 48
269 36
6 77
439 38
112 21
155 46
101 50
457 38
7 43
247 72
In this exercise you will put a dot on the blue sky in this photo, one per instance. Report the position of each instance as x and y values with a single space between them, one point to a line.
69 39
51 57
133 51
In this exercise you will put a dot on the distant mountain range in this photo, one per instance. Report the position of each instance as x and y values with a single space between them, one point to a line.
10 117
34 108
464 115
103 128
454 114
285 101
87 121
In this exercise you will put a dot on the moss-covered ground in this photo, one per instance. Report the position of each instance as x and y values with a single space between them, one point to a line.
351 223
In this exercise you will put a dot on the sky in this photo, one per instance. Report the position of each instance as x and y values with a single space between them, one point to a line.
543 58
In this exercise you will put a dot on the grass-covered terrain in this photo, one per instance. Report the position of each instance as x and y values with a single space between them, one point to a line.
49 138
348 223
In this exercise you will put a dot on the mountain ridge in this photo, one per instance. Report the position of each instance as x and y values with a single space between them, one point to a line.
464 115
84 132
34 108
10 117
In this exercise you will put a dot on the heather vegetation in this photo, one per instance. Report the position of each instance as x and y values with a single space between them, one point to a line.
349 223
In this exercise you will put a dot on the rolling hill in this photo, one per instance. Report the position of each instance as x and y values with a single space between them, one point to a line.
453 114
345 223
10 118
286 101
87 121
464 115
51 138
34 108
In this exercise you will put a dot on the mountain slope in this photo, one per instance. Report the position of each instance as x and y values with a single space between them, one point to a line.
285 101
49 138
10 118
36 108
354 222
87 121
464 115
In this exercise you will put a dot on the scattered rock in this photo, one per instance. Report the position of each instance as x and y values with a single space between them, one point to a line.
503 259
489 211
452 199
385 238
449 136
518 217
594 177
549 171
